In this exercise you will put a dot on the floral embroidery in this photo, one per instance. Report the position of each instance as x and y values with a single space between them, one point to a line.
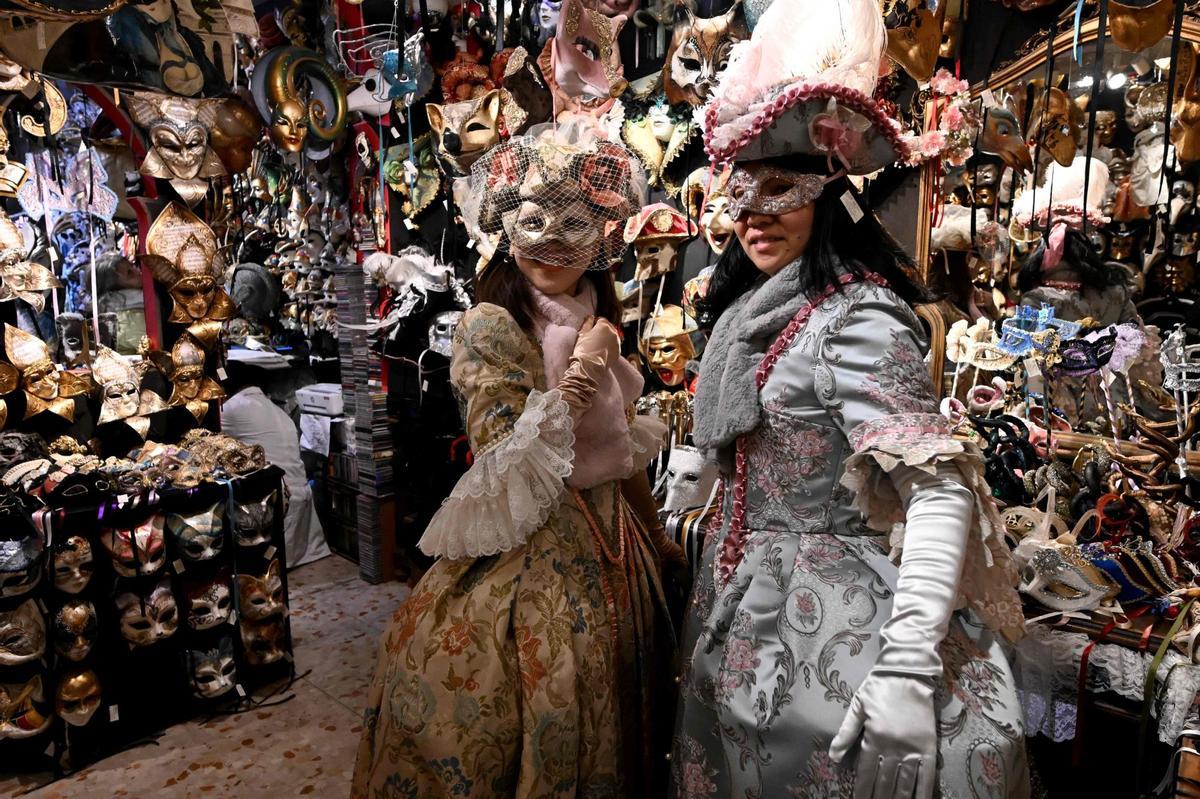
450 772
456 638
693 773
970 676
532 669
740 659
822 778
900 382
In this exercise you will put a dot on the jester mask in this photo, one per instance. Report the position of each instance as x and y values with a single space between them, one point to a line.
699 52
182 253
178 132
121 397
46 388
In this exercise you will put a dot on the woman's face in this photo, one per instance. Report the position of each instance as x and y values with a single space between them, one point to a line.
774 240
547 278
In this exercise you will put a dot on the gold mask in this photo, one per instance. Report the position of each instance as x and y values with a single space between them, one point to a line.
666 345
191 388
294 123
1106 127
182 253
1185 124
20 278
46 389
915 37
1055 124
1134 28
289 126
120 395
78 697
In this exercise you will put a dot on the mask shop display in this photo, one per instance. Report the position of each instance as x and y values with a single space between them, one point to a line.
417 191
657 133
914 35
22 634
583 79
182 254
136 551
462 132
75 629
73 565
120 396
261 598
46 388
699 52
656 233
253 520
690 479
24 708
199 536
263 641
146 620
209 603
298 121
706 200
78 697
666 344
213 671
20 278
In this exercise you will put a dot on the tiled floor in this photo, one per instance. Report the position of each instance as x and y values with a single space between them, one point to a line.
303 747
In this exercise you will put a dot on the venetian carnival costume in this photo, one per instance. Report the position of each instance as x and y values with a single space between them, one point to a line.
813 666
528 660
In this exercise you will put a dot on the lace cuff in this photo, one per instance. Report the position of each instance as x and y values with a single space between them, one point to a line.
511 489
647 437
922 441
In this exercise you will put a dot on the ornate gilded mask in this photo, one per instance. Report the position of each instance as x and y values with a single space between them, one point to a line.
78 697
178 132
120 395
295 122
657 134
76 629
190 386
46 388
182 253
146 620
655 234
1134 28
73 565
666 344
699 52
1055 124
22 634
914 33
261 598
464 131
418 191
21 278
707 201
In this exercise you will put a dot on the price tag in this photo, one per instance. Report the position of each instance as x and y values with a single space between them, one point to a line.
122 499
233 617
114 714
424 386
395 133
49 749
408 223
470 244
221 375
989 99
1109 376
1032 369
53 257
241 691
178 565
852 208
270 553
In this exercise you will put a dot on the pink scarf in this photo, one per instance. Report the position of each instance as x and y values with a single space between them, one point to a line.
602 448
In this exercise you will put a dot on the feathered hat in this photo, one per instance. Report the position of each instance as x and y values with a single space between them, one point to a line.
1067 196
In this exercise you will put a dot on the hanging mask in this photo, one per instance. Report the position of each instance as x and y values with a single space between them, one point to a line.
523 82
73 565
464 131
1001 137
1062 582
199 536
658 134
24 711
426 183
212 671
22 634
261 597
21 556
690 479
1054 124
708 202
1134 28
582 63
441 332
1146 105
46 388
78 697
295 123
138 551
543 18
209 603
415 80
253 521
656 233
235 131
21 278
120 395
182 254
699 52
1185 122
177 132
696 290
262 641
666 344
1106 128
75 629
914 33
190 387
147 620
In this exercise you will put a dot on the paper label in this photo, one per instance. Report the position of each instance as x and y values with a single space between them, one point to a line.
470 244
395 133
241 691
114 714
1032 369
270 553
989 99
852 208
408 223
178 565
233 617
221 375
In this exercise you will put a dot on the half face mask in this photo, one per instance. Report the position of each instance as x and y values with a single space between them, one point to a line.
209 603
914 33
75 629
78 697
138 551
148 620
199 536
582 63
23 709
254 520
655 234
261 598
441 332
698 53
182 254
666 344
22 634
1062 581
464 131
771 190
213 672
262 641
73 565
690 479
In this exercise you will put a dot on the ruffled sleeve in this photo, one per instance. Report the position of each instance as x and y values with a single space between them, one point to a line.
873 381
522 440
647 437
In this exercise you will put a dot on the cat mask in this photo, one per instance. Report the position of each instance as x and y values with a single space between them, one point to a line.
136 551
462 132
699 52
200 535
254 520
146 621
213 672
262 642
209 603
261 598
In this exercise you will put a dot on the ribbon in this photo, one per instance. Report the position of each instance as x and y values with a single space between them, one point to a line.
1054 246
833 136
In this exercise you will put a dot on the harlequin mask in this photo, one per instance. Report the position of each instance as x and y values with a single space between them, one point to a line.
261 597
584 60
75 629
690 479
78 697
213 671
22 634
442 331
655 234
200 536
262 641
46 389
914 33
23 710
146 621
209 603
120 395
1001 137
1054 124
140 550
1134 28
699 53
253 520
73 565
666 344
465 131
182 254
178 136
708 202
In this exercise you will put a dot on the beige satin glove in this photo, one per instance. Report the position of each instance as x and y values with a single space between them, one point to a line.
597 347
637 493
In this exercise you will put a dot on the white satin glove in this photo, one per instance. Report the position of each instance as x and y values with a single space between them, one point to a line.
893 709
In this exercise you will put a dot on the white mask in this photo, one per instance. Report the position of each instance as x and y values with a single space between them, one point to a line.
690 479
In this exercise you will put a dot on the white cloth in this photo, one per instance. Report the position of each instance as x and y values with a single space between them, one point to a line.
251 417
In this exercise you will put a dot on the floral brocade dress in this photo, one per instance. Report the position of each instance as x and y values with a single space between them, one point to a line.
785 618
532 672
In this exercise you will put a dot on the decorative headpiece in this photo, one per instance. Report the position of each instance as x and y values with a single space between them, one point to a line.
178 130
120 395
182 253
658 134
806 89
21 278
655 234
46 388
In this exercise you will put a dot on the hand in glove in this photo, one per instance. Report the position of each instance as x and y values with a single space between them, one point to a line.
637 493
893 709
597 347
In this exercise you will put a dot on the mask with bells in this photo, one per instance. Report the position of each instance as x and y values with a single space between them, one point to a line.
78 697
182 254
23 709
666 344
46 389
200 536
655 234
699 52
178 131
462 132
22 634
262 641
73 565
147 620
690 479
441 332
137 551
914 34
208 603
708 202
75 629
582 63
261 598
213 672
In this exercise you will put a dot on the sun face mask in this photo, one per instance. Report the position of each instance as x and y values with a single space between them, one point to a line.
261 597
771 190
139 551
199 536
262 641
699 52
75 629
22 634
78 697
213 671
73 565
253 521
147 620
23 709
209 603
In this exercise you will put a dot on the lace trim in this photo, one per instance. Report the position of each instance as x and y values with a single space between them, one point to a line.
511 490
989 579
888 431
647 437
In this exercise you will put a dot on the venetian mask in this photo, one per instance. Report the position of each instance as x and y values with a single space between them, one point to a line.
657 134
582 63
1062 582
78 697
708 201
179 150
182 254
1055 124
982 177
199 536
262 641
213 671
464 131
137 551
1124 240
294 121
22 634
696 290
544 17
75 629
190 386
914 33
235 131
21 278
20 557
1134 27
1185 122
1001 137
655 234
289 126
120 395
147 620
23 709
261 597
46 389
419 194
690 479
253 521
73 565
666 344
441 332
209 603
1106 127
698 53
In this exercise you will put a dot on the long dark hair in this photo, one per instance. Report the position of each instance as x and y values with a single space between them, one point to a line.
836 243
503 284
1078 254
